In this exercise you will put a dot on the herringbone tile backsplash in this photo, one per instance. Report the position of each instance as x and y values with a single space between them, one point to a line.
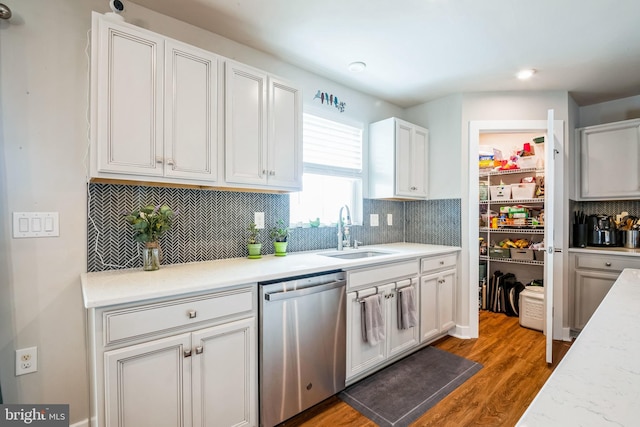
212 224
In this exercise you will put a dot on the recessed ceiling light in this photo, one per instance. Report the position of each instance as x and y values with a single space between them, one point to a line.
357 67
525 74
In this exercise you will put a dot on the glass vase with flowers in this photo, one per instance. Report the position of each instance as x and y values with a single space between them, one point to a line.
149 224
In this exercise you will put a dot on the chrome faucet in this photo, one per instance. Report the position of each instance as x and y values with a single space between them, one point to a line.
344 239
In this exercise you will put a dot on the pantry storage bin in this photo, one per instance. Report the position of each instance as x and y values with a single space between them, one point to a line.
531 306
522 254
527 162
523 191
499 253
500 192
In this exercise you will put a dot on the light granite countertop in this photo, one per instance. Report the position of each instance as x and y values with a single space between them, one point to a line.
597 383
123 286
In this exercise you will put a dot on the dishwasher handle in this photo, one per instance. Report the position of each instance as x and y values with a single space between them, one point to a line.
281 295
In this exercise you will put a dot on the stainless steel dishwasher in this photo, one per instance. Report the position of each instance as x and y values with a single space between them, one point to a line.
302 344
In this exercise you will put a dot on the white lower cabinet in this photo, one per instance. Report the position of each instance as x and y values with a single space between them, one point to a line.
363 357
196 369
437 296
593 276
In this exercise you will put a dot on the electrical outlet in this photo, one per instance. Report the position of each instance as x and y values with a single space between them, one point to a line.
258 218
26 360
373 220
389 219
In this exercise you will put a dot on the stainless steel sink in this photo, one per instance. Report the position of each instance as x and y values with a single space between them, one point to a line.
353 254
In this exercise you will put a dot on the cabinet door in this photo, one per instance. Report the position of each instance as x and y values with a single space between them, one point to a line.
429 318
361 356
245 125
129 105
419 162
590 289
149 384
191 112
285 135
225 375
401 340
404 140
610 161
411 160
446 300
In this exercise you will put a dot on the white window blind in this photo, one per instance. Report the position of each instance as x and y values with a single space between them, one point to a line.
331 144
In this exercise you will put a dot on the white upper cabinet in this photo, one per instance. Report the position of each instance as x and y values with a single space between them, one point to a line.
156 103
191 111
610 161
263 144
399 158
127 81
157 115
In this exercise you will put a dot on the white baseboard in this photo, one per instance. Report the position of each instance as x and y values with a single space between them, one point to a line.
461 332
83 423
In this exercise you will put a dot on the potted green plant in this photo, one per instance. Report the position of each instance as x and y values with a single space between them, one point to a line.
149 224
254 247
280 234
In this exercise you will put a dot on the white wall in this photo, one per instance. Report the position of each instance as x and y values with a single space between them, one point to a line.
611 111
43 138
443 119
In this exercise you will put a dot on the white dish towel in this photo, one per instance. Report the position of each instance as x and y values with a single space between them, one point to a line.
407 317
372 320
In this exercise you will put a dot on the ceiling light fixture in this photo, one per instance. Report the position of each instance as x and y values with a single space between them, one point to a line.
357 67
526 74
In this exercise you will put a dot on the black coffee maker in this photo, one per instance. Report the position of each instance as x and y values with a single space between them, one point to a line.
602 231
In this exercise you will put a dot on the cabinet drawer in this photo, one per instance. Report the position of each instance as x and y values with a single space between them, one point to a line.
145 320
438 262
607 263
383 273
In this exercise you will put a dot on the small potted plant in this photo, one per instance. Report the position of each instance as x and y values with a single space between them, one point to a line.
280 234
254 247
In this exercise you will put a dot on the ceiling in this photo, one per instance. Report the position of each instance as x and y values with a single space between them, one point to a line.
420 50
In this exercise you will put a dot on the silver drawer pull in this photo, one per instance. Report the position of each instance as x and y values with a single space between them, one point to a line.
608 264
187 353
441 262
192 314
199 350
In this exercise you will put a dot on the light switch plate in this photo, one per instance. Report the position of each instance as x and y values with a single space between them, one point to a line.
258 218
389 219
373 220
35 224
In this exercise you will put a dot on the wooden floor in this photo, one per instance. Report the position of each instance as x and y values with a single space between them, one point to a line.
514 369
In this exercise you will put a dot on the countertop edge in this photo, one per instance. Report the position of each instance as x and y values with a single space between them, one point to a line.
107 288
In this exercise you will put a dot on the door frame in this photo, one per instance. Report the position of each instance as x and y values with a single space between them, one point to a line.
487 126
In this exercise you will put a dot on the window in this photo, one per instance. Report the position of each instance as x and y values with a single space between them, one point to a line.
332 172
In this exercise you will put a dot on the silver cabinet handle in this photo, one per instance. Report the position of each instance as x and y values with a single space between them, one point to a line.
192 314
441 262
199 350
187 353
272 173
159 159
170 162
608 264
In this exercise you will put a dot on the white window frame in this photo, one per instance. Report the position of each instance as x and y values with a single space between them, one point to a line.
355 205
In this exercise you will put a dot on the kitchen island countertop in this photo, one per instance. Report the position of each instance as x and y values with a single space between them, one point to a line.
597 383
105 288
